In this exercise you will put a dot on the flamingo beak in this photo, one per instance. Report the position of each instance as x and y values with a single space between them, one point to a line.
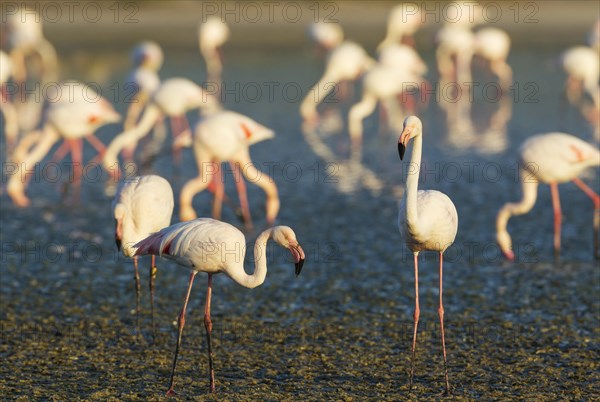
404 137
118 243
298 255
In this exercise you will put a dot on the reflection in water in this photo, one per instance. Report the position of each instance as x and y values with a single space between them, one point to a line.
482 127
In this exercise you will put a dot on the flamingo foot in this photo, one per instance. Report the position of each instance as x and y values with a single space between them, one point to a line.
187 214
171 392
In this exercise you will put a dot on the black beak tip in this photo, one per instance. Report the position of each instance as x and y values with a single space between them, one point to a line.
401 150
299 265
118 243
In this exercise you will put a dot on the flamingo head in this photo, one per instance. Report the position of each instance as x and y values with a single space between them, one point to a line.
285 237
411 129
505 243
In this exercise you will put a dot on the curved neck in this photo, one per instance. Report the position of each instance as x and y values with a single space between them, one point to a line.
239 275
412 181
529 188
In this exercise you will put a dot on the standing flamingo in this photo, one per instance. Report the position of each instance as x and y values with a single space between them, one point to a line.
404 20
212 35
205 245
143 205
493 46
173 98
582 67
427 220
75 113
226 136
400 68
455 48
345 63
550 158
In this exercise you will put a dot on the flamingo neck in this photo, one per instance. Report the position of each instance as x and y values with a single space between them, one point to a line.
257 278
412 182
529 188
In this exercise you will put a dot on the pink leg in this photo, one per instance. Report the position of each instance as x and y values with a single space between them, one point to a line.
61 152
240 185
153 270
98 146
180 325
137 295
208 327
557 218
415 318
596 199
175 130
219 192
77 159
441 314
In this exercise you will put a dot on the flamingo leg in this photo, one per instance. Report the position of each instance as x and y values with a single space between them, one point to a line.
596 198
415 318
240 185
153 270
208 326
77 159
61 152
441 314
218 193
180 325
98 146
557 218
137 294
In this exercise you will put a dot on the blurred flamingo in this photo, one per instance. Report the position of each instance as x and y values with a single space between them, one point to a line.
205 245
74 113
403 21
427 220
493 46
11 122
173 98
345 63
227 136
550 158
212 35
143 205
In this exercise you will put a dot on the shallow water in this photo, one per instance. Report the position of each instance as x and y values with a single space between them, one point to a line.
343 328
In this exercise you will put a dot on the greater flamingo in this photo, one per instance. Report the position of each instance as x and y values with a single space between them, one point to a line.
404 20
455 48
493 46
212 35
143 205
74 113
427 220
345 63
173 98
550 158
326 35
205 245
400 68
582 66
226 136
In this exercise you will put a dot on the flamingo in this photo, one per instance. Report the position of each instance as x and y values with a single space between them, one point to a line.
345 63
25 39
550 158
326 35
493 45
399 68
582 67
226 136
212 35
427 220
75 113
404 20
11 121
455 42
173 98
204 245
143 205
